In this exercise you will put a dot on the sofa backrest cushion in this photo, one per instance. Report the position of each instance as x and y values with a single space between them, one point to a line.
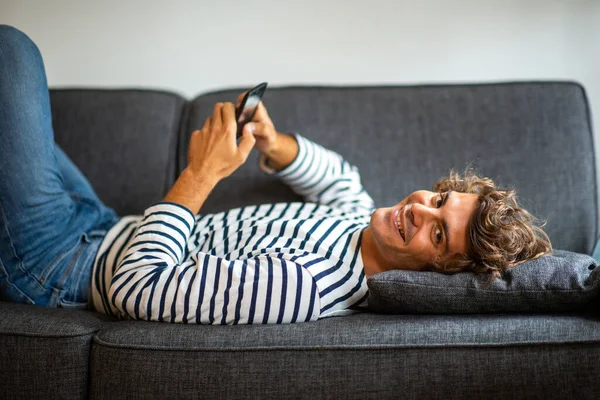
123 141
535 137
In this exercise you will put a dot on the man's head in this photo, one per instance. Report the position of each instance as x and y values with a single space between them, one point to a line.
465 224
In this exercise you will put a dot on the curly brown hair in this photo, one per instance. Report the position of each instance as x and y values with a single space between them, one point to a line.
501 234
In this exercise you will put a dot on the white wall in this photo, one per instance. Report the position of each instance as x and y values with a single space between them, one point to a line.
195 46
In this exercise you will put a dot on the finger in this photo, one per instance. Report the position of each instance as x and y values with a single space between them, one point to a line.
207 124
246 145
216 117
228 117
261 112
250 128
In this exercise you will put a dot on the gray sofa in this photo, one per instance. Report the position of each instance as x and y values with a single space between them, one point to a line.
131 144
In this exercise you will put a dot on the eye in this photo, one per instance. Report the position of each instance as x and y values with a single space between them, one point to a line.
439 201
438 235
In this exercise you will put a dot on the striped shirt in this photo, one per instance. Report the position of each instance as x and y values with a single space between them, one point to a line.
272 263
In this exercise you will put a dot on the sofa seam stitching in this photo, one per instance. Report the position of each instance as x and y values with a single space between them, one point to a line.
100 342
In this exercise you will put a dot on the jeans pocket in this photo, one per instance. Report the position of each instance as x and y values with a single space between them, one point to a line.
47 277
75 282
62 303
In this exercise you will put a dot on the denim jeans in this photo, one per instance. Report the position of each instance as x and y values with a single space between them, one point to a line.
51 220
596 252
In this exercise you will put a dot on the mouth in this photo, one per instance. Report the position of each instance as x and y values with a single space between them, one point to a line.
397 222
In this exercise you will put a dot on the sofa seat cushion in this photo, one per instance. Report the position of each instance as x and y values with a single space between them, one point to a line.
45 351
355 357
364 329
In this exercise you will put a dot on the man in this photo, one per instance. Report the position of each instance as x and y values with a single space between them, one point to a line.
273 263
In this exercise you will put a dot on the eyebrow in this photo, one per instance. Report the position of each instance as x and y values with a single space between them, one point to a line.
445 224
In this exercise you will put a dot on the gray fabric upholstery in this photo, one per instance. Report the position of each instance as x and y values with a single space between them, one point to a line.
122 140
363 356
44 353
533 136
558 282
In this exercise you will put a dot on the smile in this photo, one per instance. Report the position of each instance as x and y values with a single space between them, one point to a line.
397 222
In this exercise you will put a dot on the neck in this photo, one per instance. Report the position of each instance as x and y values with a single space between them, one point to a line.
372 260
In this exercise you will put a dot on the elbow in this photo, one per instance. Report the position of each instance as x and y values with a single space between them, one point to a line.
116 294
130 291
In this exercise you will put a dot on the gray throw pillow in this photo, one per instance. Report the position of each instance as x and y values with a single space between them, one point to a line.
559 282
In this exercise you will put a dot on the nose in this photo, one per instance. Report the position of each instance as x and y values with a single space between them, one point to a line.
421 213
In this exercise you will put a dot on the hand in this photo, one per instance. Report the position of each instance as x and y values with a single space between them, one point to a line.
214 152
262 128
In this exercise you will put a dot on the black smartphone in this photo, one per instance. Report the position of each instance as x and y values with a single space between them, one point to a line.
245 112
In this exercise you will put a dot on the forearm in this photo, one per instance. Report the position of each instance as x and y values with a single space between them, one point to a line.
284 152
157 249
191 190
323 176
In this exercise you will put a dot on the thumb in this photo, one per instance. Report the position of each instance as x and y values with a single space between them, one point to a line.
255 128
250 128
246 144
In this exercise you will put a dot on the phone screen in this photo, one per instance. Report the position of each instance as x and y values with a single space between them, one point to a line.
249 109
248 106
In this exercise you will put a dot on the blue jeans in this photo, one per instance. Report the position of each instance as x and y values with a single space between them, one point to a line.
596 252
51 220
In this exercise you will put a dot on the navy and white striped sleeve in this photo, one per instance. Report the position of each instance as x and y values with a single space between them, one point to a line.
322 176
157 281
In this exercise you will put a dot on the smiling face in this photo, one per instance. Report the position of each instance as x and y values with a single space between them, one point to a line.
424 227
